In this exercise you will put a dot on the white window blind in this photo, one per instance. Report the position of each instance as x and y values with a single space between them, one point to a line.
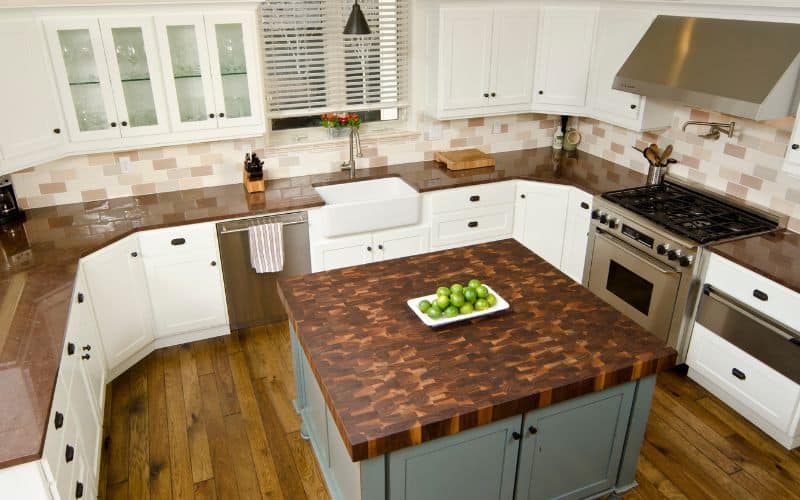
312 68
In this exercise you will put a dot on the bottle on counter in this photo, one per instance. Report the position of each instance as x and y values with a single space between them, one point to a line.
558 135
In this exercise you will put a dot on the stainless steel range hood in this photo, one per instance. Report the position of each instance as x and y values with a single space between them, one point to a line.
743 68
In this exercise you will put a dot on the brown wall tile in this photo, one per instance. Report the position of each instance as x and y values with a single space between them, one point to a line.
52 187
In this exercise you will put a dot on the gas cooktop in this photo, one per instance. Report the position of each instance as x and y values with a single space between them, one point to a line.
688 213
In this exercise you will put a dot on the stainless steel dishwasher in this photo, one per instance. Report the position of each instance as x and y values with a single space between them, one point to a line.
253 297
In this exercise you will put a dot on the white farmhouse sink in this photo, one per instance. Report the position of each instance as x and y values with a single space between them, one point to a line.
370 205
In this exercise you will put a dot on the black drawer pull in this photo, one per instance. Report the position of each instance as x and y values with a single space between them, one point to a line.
87 347
516 435
69 454
473 223
760 295
70 348
533 430
584 205
80 298
58 420
738 374
86 356
475 197
178 241
78 489
134 254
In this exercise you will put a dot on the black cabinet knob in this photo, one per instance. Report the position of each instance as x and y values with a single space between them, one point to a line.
86 356
81 298
369 249
584 205
380 247
475 198
70 348
672 255
633 106
222 115
124 123
661 249
113 124
486 94
533 430
58 420
134 254
213 263
516 435
760 295
541 92
738 374
56 130
87 347
473 223
211 115
69 454
494 94
78 489
522 196
794 146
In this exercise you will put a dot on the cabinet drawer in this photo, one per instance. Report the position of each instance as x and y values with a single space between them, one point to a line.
754 290
196 238
473 197
57 424
467 226
746 379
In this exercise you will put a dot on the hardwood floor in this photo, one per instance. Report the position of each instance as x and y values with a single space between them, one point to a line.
214 419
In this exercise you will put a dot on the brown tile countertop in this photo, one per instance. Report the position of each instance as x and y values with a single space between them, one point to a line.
38 259
773 255
391 382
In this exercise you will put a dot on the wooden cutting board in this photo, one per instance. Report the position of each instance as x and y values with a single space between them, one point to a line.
464 159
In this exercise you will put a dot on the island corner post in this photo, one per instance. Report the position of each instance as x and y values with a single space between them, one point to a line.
573 430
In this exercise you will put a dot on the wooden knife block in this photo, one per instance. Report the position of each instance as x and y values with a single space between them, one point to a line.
253 186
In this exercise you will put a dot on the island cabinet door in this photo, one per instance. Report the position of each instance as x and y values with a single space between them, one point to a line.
477 464
573 449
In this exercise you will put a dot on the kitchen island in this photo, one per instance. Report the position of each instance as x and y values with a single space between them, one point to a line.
547 399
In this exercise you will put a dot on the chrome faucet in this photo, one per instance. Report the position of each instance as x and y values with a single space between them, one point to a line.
355 152
715 129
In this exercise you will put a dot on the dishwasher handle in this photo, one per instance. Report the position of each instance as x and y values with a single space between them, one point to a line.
239 225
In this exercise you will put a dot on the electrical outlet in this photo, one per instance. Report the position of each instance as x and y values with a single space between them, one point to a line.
125 165
497 128
434 133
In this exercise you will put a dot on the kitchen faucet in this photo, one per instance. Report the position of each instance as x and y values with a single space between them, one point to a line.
355 152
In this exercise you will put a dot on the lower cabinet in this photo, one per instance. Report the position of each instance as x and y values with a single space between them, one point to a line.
576 234
541 211
360 249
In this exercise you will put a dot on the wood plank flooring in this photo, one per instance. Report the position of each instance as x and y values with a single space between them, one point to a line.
214 420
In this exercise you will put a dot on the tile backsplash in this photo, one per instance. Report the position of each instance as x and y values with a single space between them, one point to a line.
157 170
747 166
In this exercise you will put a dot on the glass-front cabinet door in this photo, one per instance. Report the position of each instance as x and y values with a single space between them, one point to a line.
76 49
187 73
232 43
133 63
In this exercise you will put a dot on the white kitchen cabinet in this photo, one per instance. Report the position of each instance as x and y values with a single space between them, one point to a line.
541 218
211 70
576 234
116 281
403 242
564 53
364 248
618 32
483 60
32 128
471 226
793 152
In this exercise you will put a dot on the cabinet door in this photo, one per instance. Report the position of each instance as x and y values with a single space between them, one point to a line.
544 218
513 55
576 234
793 154
475 464
397 243
187 73
27 94
564 53
465 58
116 281
232 51
343 252
186 293
77 52
89 423
573 449
133 62
618 32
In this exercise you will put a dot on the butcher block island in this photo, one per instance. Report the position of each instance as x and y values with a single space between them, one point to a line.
547 399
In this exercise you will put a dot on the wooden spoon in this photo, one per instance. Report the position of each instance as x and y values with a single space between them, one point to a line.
651 156
667 152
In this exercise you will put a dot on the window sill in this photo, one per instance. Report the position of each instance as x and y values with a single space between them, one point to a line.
283 143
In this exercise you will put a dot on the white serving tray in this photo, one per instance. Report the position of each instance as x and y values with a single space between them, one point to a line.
500 305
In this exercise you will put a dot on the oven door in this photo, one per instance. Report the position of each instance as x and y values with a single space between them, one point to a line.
634 283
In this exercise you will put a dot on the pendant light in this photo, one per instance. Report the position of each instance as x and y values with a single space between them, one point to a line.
356 23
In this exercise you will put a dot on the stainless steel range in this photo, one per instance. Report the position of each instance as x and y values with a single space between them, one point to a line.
644 244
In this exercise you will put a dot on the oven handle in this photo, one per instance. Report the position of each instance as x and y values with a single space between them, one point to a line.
765 321
637 255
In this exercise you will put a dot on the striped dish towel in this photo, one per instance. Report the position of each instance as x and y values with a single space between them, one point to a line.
266 247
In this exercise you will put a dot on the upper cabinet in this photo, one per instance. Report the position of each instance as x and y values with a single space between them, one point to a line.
31 127
566 35
482 60
618 32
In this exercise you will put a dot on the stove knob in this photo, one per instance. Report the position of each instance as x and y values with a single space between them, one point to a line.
662 249
612 223
672 254
595 214
685 260
603 219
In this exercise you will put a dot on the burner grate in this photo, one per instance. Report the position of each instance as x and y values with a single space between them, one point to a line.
688 213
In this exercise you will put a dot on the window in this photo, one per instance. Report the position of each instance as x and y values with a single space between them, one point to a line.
312 68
